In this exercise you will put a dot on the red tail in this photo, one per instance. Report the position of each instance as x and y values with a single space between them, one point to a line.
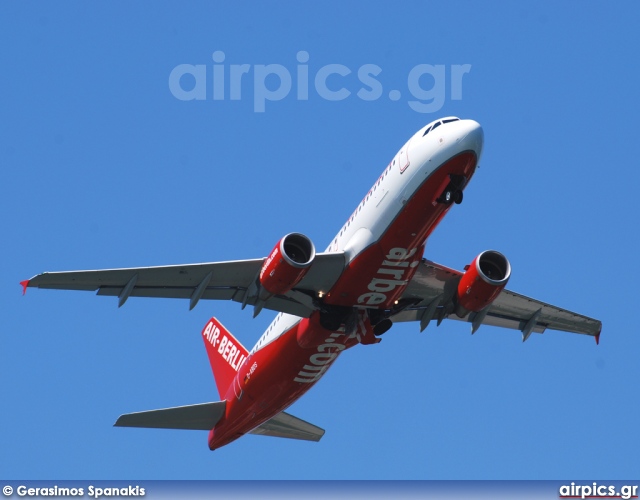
225 353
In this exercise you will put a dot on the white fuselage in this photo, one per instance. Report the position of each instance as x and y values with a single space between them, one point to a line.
413 163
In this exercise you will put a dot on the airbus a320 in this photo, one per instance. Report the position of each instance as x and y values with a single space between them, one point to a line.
371 275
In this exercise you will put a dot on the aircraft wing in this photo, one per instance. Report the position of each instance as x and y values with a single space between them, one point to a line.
233 280
433 287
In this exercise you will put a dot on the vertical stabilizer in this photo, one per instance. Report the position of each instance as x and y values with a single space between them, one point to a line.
226 354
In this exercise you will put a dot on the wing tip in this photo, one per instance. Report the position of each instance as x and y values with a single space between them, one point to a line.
597 335
24 285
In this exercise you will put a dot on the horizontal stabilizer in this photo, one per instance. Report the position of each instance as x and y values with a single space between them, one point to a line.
287 426
202 417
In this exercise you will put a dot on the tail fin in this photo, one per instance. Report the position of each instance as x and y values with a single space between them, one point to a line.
225 353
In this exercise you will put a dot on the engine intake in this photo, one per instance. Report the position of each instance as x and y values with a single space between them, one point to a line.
287 263
482 282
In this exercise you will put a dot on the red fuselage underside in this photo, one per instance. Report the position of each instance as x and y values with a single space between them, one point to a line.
274 387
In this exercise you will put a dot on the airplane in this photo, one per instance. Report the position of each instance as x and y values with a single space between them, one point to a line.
371 275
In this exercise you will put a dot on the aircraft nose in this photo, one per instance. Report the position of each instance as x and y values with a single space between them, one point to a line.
472 135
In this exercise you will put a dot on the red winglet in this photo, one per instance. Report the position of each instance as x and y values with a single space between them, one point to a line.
598 338
24 284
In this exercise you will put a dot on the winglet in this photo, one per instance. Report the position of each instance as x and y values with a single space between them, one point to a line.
598 338
24 284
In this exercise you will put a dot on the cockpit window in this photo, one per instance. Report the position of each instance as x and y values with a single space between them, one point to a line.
438 123
430 128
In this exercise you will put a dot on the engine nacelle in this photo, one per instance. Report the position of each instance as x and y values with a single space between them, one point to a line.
482 282
287 264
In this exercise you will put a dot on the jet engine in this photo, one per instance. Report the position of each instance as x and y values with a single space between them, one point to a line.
482 282
287 264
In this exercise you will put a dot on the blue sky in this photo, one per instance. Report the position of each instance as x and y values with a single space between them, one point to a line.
103 166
